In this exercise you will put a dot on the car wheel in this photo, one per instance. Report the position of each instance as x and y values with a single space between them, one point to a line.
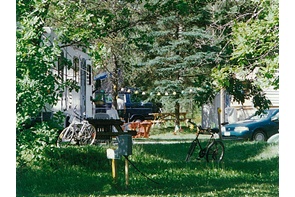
259 136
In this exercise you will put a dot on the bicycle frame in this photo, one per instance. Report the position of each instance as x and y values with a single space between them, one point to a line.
208 142
203 150
77 132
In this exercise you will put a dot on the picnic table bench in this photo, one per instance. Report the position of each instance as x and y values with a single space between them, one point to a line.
105 128
142 128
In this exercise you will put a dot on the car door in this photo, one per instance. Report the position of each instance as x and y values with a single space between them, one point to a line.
273 127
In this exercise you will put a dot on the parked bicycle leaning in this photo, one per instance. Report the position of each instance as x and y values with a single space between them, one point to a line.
79 132
214 149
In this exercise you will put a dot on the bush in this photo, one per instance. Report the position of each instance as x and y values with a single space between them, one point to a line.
30 143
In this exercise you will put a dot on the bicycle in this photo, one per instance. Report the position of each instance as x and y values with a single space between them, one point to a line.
79 132
214 150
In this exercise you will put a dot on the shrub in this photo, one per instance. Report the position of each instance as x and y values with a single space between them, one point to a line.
30 143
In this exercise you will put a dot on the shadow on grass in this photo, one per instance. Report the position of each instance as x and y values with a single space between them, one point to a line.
86 171
86 157
68 171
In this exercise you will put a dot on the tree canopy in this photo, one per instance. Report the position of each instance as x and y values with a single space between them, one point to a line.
174 46
35 83
253 63
169 45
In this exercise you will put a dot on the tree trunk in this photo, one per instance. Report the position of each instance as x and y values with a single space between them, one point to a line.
177 121
115 82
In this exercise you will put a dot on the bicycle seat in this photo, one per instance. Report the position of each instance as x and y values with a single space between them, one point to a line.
214 130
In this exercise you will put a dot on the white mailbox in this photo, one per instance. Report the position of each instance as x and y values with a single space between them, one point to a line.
112 154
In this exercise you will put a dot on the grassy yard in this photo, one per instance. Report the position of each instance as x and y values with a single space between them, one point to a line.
248 169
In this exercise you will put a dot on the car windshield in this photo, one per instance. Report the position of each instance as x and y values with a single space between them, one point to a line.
260 116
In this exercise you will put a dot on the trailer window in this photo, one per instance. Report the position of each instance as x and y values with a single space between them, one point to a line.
89 74
60 66
76 69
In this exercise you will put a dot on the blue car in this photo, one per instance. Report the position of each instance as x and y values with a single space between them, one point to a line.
256 127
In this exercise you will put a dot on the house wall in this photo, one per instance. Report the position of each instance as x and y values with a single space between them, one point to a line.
234 111
209 111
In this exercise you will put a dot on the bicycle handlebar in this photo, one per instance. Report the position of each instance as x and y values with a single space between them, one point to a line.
203 130
75 114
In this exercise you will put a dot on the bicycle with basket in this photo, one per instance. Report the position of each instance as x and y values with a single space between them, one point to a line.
214 149
79 132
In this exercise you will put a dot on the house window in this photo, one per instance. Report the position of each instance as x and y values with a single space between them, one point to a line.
89 74
76 69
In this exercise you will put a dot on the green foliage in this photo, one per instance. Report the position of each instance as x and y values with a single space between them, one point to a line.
75 22
33 142
35 83
254 59
257 42
177 45
179 54
30 144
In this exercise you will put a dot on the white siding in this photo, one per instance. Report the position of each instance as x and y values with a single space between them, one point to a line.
273 96
71 99
235 111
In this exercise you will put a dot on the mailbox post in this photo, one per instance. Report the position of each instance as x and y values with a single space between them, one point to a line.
124 149
124 145
112 154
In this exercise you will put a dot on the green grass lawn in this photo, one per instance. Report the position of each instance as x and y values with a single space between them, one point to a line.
248 169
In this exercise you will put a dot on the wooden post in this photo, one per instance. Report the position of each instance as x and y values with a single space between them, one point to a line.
126 173
114 170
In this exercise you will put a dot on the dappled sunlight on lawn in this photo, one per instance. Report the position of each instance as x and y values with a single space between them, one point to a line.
268 152
248 169
172 136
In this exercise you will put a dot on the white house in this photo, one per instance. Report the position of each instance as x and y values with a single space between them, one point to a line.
234 111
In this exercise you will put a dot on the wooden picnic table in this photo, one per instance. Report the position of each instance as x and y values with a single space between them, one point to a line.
104 128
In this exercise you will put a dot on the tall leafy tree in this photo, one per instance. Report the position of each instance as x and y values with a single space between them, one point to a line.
182 53
108 28
35 57
173 46
36 82
253 62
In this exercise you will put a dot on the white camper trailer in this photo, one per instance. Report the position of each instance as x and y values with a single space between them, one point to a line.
81 72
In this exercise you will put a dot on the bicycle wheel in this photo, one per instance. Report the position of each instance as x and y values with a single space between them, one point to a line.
66 137
215 152
87 135
191 150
